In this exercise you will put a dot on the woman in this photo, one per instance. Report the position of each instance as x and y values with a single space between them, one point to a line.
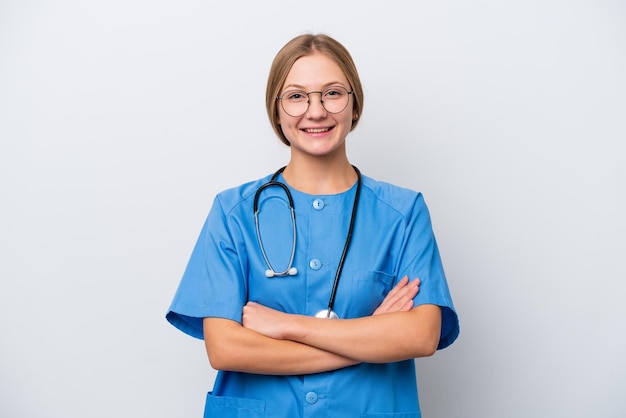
262 304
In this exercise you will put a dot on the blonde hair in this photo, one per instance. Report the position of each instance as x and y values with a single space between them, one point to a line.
299 47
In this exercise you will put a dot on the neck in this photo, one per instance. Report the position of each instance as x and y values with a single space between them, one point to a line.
320 177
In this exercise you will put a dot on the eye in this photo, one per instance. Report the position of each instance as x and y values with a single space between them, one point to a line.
335 92
295 95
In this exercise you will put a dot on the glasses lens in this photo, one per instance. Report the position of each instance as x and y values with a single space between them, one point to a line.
296 102
335 99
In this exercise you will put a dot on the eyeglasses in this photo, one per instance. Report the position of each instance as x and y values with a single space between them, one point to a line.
334 99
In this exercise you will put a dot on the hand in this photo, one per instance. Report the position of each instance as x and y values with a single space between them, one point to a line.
400 298
264 320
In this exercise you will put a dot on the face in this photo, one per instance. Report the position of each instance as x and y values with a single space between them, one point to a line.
317 132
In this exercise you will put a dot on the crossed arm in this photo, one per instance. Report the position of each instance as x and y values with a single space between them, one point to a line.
273 342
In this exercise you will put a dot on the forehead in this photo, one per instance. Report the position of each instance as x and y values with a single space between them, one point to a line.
315 71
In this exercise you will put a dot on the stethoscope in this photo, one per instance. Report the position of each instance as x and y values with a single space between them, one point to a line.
290 270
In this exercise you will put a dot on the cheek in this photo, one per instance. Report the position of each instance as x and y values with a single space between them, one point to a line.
286 122
286 125
347 119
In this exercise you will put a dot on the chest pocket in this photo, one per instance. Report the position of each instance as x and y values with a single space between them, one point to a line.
231 407
369 289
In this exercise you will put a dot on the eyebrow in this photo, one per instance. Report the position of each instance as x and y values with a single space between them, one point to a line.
327 85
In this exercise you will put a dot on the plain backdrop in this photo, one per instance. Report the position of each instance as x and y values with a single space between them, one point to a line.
121 120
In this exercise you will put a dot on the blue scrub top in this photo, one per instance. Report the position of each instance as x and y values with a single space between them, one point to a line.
392 238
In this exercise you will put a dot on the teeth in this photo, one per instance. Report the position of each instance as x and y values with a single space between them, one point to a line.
317 131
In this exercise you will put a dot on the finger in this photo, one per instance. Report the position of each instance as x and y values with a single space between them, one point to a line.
407 306
399 297
398 287
412 291
405 296
401 294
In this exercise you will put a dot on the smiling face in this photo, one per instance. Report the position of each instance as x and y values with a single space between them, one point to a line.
317 132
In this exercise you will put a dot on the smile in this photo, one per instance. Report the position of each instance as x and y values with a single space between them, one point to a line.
316 130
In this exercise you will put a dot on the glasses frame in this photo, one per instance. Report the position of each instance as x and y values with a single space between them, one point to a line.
308 101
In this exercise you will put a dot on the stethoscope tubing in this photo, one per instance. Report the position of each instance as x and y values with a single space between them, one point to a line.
291 270
333 293
271 272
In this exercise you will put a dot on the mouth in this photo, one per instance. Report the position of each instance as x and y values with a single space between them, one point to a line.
316 130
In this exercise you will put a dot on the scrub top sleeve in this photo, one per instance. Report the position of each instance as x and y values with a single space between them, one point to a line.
420 258
212 284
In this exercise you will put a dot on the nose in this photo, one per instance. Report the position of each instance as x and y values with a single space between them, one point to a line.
316 105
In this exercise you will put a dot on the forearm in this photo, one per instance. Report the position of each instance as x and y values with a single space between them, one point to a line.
375 339
232 347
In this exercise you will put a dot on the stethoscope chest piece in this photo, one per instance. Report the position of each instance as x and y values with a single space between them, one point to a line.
325 313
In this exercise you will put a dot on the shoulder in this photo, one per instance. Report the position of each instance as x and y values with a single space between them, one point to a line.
234 197
401 199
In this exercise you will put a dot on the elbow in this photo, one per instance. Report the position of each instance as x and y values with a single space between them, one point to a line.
430 347
427 345
219 357
217 362
417 347
428 330
431 342
218 342
424 349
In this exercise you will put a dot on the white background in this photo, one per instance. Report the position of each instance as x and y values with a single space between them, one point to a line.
120 120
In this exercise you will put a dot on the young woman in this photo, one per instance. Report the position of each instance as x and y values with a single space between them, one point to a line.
299 282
